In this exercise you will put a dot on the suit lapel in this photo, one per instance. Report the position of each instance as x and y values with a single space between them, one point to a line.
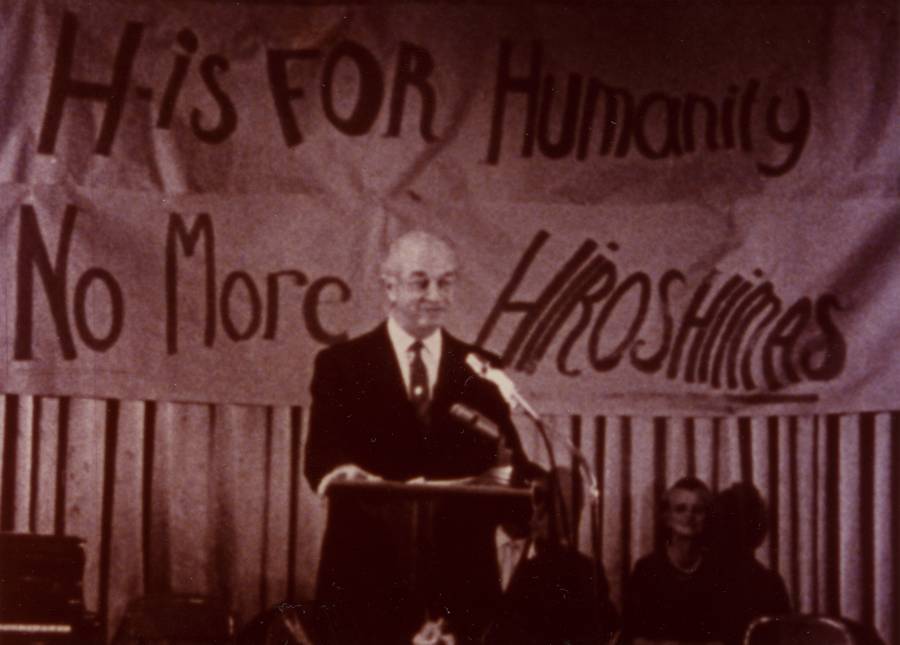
390 380
451 371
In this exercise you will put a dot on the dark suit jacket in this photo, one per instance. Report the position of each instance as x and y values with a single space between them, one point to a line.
361 414
560 597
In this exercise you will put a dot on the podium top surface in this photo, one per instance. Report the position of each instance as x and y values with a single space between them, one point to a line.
424 490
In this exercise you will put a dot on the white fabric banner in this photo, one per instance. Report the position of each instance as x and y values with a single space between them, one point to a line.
662 208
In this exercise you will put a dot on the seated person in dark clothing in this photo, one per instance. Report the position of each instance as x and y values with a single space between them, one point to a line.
675 593
553 594
740 526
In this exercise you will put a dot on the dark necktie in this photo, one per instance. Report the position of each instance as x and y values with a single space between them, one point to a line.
418 381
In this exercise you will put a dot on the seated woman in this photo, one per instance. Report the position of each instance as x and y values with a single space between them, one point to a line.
674 593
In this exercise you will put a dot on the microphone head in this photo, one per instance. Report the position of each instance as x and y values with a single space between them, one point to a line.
498 377
478 364
505 384
474 420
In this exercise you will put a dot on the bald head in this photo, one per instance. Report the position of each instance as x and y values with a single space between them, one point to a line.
410 247
419 273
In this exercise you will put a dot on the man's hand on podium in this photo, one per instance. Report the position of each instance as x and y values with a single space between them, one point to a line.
433 632
346 472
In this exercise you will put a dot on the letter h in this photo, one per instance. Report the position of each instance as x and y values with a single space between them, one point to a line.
509 84
63 86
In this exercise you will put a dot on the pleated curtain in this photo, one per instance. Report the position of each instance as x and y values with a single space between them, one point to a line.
210 498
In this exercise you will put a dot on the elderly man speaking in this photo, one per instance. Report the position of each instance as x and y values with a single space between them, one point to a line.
381 411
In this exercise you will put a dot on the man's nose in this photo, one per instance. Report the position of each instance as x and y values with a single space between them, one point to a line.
433 292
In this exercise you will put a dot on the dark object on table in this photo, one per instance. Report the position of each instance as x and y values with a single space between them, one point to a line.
175 618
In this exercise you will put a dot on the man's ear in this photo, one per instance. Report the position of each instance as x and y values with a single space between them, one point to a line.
390 287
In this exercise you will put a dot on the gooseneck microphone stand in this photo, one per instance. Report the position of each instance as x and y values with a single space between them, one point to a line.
568 536
515 400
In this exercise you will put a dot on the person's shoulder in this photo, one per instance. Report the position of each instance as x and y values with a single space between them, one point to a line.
764 580
462 348
352 348
569 561
652 561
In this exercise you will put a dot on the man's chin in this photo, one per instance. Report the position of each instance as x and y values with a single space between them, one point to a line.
431 321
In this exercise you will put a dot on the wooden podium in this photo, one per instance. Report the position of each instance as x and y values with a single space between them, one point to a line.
435 541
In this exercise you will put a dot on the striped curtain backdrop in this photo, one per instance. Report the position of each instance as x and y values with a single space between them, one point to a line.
211 498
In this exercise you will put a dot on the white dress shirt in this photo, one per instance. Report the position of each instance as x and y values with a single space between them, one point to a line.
511 552
431 353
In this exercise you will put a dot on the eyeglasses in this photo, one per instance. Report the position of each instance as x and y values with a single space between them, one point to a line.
420 284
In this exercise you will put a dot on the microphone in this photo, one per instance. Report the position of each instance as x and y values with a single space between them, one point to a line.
515 400
505 384
475 420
